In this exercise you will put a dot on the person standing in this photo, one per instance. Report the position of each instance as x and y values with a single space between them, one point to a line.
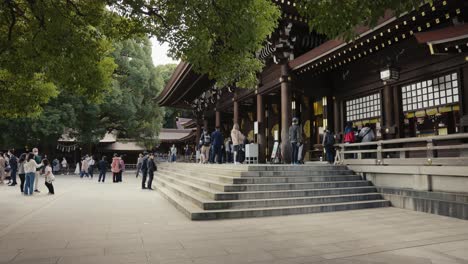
21 173
49 177
102 166
218 141
227 149
295 137
38 160
187 153
13 167
173 153
91 163
122 168
64 165
139 161
205 149
115 167
349 136
328 144
30 169
2 168
151 169
144 170
237 141
55 166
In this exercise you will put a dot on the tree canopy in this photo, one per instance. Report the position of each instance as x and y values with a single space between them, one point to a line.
50 47
126 107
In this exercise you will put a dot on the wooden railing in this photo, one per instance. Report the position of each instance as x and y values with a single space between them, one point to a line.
435 150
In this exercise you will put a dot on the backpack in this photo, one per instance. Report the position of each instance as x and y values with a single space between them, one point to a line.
329 140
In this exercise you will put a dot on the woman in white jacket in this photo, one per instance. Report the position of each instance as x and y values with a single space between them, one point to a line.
30 167
237 140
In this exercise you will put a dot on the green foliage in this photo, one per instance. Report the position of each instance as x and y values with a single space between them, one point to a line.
126 107
52 46
218 38
338 18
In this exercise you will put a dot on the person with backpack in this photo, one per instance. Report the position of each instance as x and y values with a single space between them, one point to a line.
206 143
328 144
366 135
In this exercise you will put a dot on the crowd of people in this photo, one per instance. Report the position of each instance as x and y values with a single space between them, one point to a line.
29 167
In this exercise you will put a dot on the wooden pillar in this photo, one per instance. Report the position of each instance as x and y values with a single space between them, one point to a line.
306 121
236 112
285 113
388 112
337 115
218 119
261 129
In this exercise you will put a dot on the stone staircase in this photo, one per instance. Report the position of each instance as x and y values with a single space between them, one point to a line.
204 192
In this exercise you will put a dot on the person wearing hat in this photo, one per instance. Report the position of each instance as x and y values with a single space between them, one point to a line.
144 170
295 137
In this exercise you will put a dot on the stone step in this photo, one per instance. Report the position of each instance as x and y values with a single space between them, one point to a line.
195 213
260 167
236 174
259 180
205 192
237 204
265 187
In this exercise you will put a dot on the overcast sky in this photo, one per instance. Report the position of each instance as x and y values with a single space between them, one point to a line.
160 53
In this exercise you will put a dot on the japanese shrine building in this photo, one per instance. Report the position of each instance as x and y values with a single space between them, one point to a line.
407 77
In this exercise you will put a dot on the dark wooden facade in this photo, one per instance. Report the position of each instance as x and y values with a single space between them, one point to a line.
320 83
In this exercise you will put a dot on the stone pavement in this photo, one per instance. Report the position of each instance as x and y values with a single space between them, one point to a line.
89 222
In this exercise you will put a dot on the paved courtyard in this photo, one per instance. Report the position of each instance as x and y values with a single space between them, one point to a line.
89 222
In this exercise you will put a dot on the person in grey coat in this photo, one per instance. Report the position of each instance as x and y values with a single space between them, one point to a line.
295 137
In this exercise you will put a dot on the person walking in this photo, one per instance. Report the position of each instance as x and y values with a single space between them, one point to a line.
205 149
102 166
237 140
38 160
21 173
49 176
295 137
115 167
151 164
91 163
3 165
144 170
64 165
13 167
328 144
173 153
218 141
139 162
30 169
85 167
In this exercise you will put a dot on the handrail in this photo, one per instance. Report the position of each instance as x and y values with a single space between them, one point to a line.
408 140
429 154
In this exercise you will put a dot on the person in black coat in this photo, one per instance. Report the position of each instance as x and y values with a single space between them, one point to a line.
151 163
13 166
144 170
102 166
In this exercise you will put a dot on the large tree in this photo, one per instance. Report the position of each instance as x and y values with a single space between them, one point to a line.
126 107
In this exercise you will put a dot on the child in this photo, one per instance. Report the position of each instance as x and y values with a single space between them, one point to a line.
49 176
